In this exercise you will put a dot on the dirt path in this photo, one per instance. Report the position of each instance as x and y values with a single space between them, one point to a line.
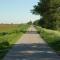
31 47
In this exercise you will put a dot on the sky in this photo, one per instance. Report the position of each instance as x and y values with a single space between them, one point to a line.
17 11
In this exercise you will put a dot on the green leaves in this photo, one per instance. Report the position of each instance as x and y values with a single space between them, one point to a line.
50 10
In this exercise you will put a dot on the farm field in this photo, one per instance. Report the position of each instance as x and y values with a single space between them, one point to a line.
9 34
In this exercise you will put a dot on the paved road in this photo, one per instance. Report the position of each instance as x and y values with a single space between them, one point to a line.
31 47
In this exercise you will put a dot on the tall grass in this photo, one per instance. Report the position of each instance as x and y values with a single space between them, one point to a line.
8 36
51 37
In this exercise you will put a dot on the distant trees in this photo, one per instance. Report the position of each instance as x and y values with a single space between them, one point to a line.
50 11
30 22
36 22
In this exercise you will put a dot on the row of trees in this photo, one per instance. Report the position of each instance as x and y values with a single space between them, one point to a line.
50 12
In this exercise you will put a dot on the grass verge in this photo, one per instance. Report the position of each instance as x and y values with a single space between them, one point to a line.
51 37
8 38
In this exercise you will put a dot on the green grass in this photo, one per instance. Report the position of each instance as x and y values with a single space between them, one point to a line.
9 35
51 37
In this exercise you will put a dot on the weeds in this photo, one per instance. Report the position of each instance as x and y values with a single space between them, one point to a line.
51 37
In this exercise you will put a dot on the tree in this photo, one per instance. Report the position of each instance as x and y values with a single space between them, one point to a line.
49 9
30 22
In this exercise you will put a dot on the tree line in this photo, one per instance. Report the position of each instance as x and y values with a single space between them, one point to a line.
50 12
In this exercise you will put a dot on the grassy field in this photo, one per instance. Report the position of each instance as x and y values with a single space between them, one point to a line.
51 37
9 34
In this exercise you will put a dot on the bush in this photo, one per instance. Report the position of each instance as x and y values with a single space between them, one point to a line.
3 33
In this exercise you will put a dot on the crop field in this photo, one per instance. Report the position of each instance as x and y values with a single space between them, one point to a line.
9 34
8 27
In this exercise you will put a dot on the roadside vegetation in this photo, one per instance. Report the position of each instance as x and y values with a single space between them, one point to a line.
49 22
52 37
9 34
50 12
